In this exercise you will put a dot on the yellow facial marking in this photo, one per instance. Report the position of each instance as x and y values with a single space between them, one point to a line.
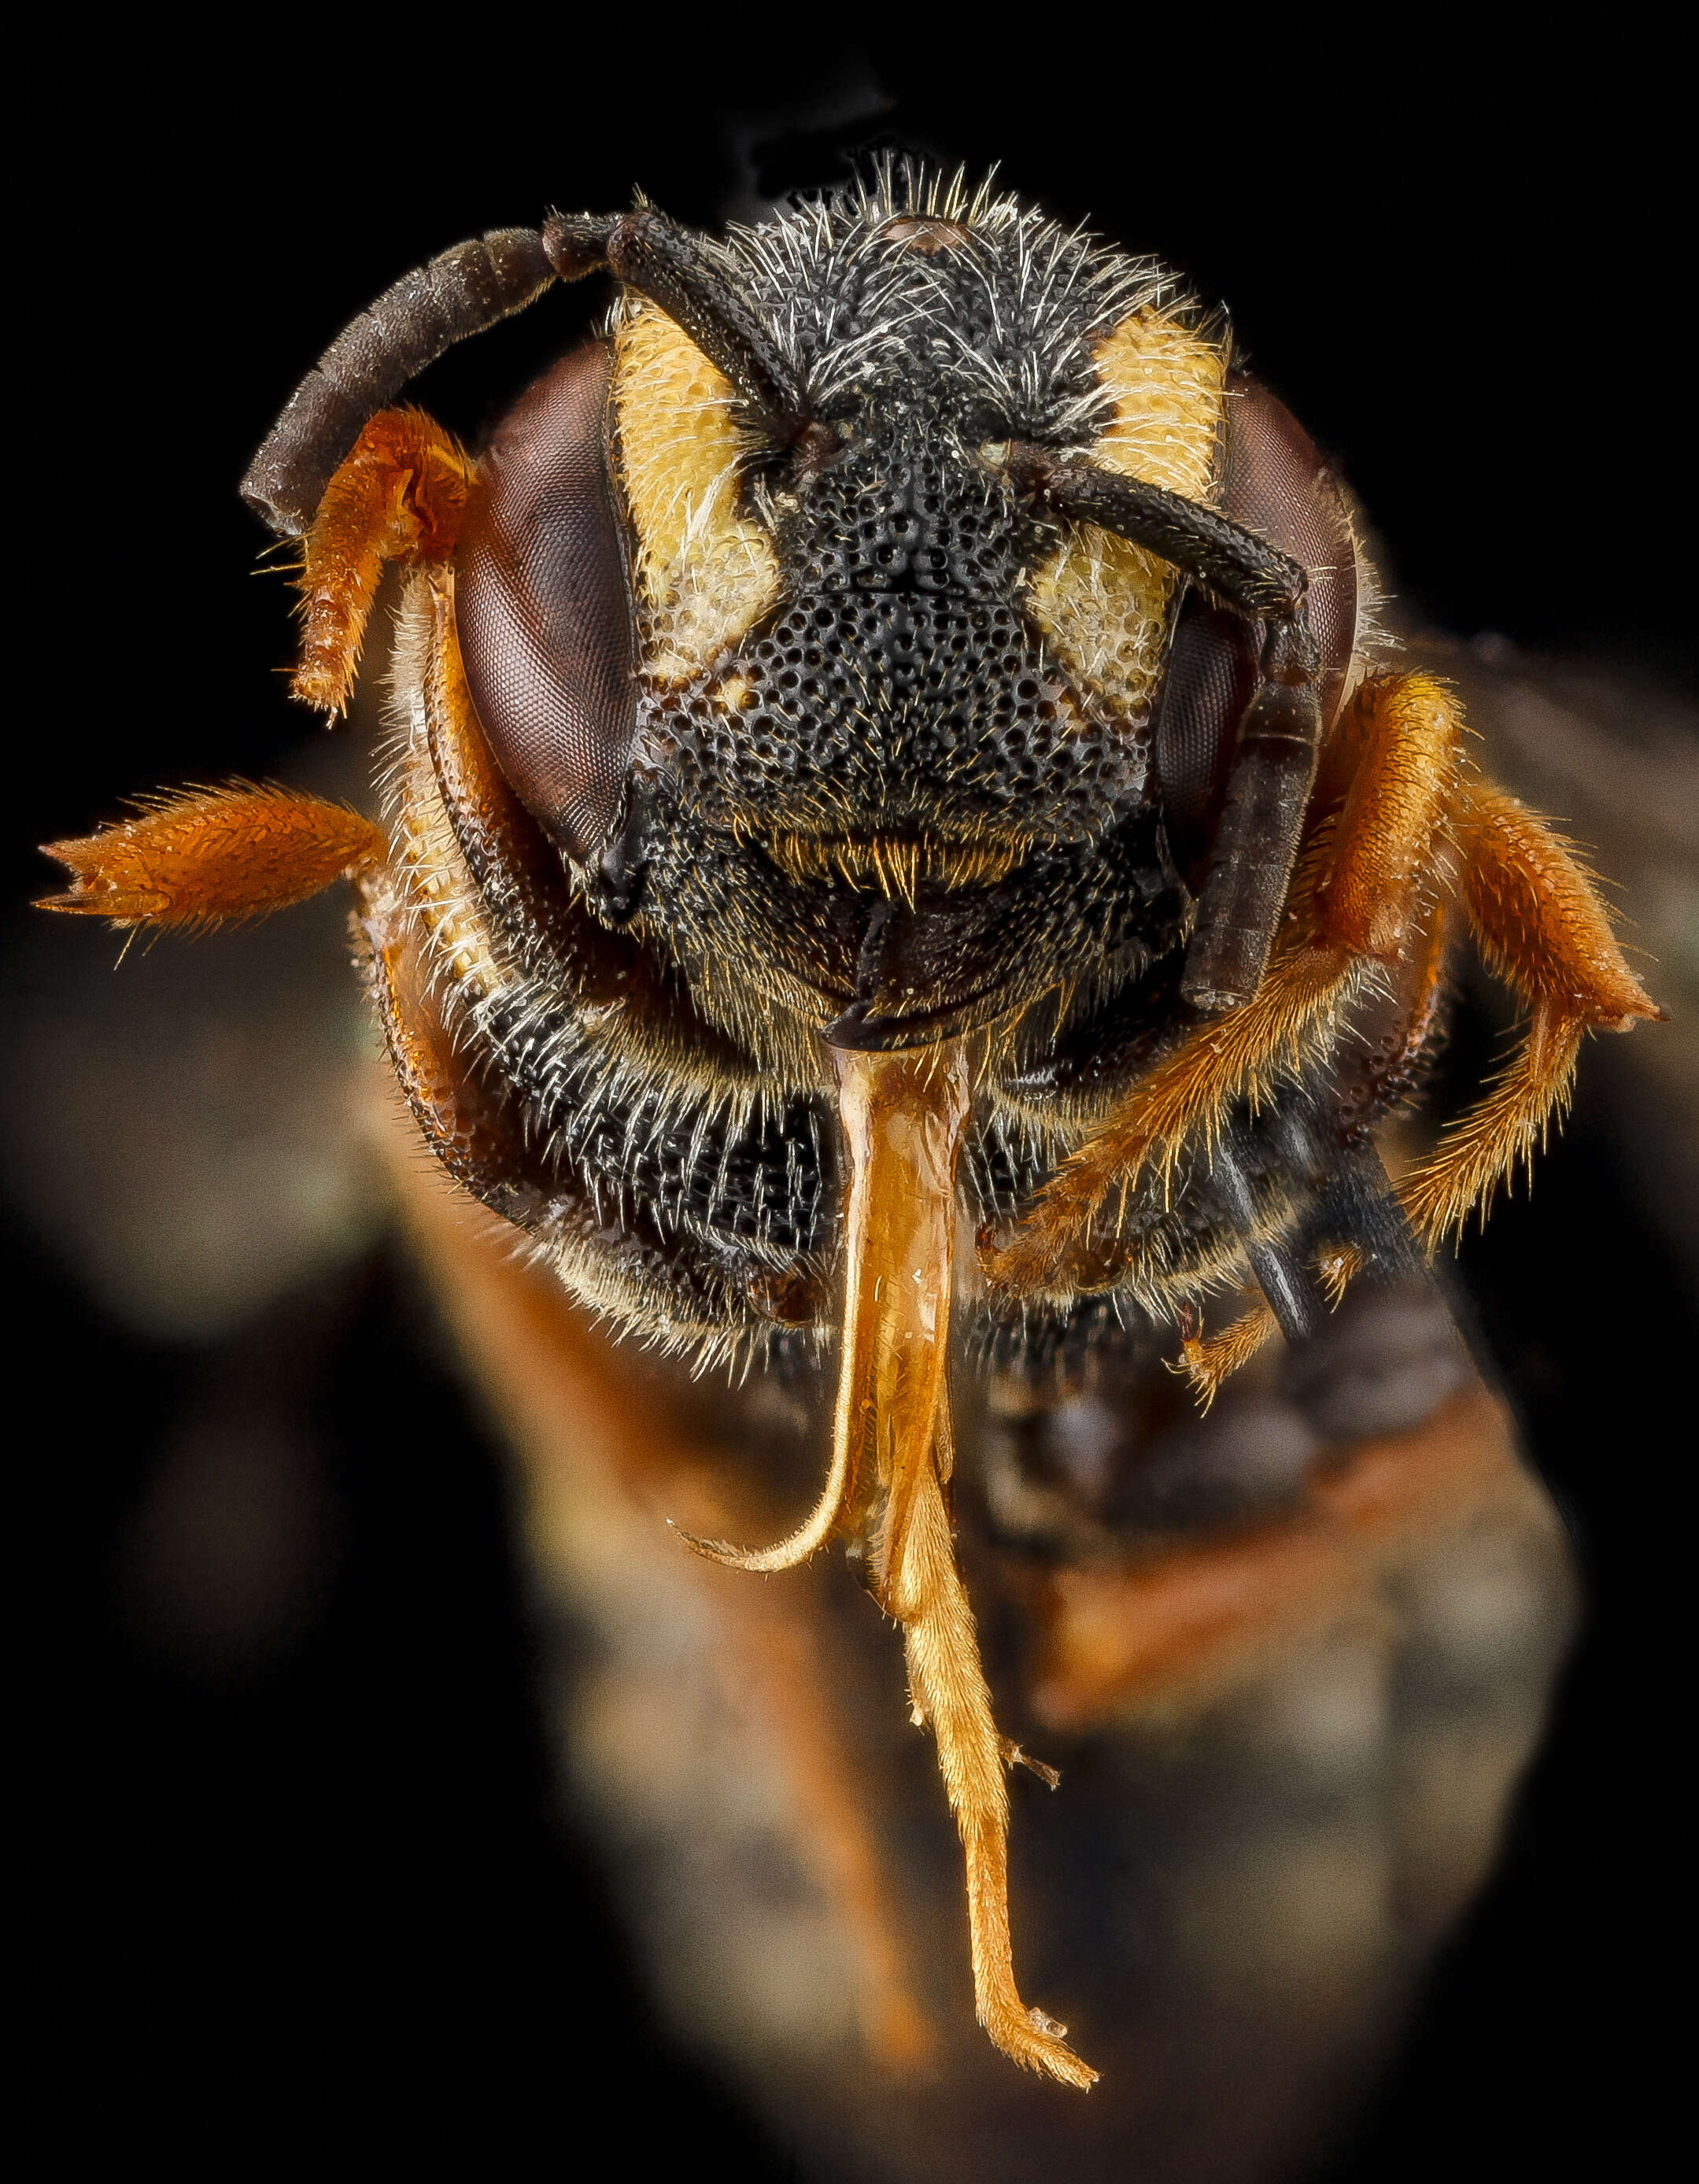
704 573
1104 602
732 693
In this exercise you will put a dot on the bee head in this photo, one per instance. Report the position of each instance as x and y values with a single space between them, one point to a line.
790 670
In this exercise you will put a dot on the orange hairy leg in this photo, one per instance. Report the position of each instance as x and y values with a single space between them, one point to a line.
1206 1361
1399 1024
459 1114
1361 895
949 1691
210 856
904 1116
1186 1092
1544 927
401 495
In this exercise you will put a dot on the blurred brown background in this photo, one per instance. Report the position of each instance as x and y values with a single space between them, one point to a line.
299 1898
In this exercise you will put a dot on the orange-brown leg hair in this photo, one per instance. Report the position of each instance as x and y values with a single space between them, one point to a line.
1544 927
214 856
1361 896
1206 1361
1390 1039
904 1117
400 495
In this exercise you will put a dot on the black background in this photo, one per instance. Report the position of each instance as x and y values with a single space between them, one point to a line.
324 1922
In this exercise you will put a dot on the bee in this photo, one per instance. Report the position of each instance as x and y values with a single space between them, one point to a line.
900 841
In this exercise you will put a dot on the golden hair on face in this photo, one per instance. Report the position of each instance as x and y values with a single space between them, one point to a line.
704 573
1103 601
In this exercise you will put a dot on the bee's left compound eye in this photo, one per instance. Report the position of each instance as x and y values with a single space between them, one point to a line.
542 606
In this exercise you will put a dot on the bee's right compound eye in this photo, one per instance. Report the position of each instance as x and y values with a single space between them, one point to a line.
1277 485
542 606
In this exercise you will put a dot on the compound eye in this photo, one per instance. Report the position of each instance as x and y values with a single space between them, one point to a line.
544 609
1276 483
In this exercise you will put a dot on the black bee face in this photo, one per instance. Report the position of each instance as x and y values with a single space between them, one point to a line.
894 784
890 750
899 694
892 788
849 726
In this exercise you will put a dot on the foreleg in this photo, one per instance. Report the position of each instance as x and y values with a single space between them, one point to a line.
400 495
214 856
948 1687
1363 896
1543 926
1206 1361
